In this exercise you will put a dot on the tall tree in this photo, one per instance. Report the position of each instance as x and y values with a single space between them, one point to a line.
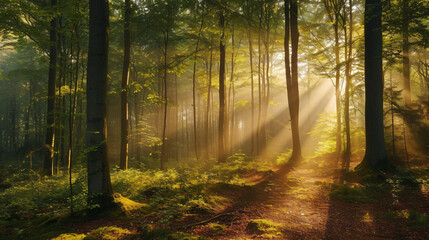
291 62
249 36
48 164
375 153
99 185
348 45
194 85
209 86
333 7
221 130
406 51
124 87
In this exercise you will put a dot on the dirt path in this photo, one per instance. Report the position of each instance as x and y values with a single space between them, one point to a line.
298 206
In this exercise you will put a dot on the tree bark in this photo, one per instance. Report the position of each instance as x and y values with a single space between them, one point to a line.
124 88
291 13
221 147
405 52
348 58
164 126
252 124
258 130
194 86
99 185
209 86
375 154
48 164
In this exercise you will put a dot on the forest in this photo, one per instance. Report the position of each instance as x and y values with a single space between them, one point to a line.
214 119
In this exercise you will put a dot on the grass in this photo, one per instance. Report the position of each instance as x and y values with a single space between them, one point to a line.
415 220
164 196
264 227
357 193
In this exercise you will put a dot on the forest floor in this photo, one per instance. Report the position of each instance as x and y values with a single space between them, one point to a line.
300 205
310 201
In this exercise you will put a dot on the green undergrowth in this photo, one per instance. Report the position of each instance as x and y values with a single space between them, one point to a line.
164 196
374 184
216 229
415 220
266 228
358 193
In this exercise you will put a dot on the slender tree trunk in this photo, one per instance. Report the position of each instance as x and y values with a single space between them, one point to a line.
176 114
72 118
27 119
337 88
164 128
375 154
258 131
194 86
221 147
209 86
392 114
99 185
267 53
263 135
405 52
72 110
48 164
348 58
230 118
291 13
187 130
252 124
13 119
124 88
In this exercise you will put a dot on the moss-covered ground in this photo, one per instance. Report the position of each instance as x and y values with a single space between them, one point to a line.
242 199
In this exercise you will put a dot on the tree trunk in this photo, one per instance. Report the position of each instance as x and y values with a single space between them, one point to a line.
72 110
258 130
291 13
348 58
72 117
230 119
405 52
99 185
27 119
48 164
337 88
12 113
221 147
268 90
375 154
194 86
164 127
124 88
209 86
252 123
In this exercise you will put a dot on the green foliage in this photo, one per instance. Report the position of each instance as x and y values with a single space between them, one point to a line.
415 220
324 130
237 164
358 194
265 227
283 158
170 194
161 234
418 220
217 229
28 199
70 236
107 233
